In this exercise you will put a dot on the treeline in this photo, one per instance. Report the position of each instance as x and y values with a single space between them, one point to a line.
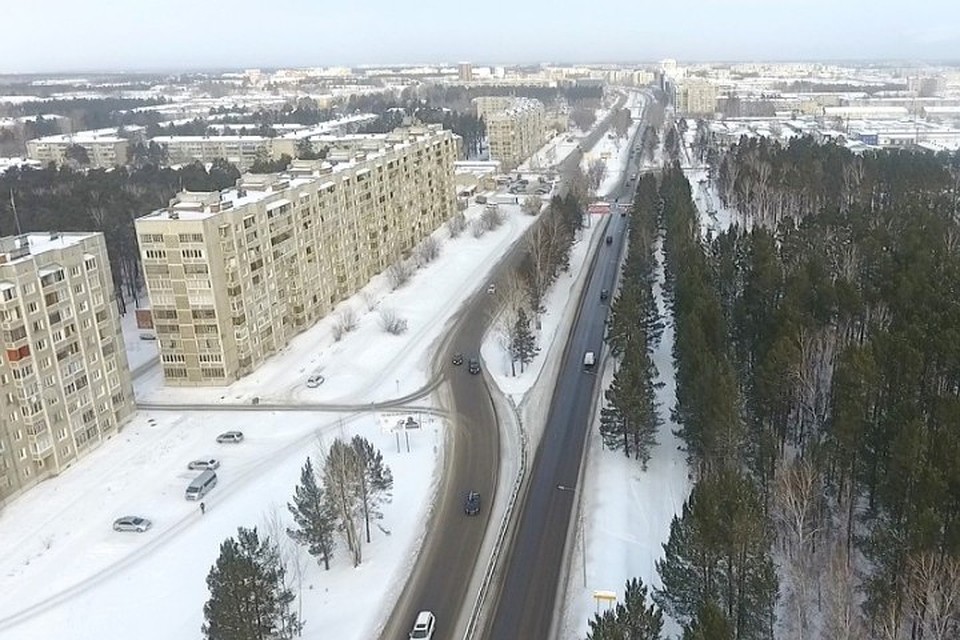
258 577
718 574
61 199
629 419
841 292
459 97
465 124
85 113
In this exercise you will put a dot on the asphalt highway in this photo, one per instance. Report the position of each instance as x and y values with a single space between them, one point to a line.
440 579
527 596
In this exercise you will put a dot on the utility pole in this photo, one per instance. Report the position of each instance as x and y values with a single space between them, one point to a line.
16 218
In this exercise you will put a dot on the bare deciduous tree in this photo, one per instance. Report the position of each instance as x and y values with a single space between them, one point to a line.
842 615
456 224
399 273
345 323
428 250
289 553
531 205
492 217
391 322
477 228
934 590
369 300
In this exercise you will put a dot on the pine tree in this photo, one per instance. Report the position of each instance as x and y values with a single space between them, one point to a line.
374 482
630 619
248 596
524 348
710 624
314 517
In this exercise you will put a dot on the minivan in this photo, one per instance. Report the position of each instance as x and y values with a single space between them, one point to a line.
201 485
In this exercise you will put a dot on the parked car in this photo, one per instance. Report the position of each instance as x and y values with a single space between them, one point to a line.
474 366
203 465
423 626
472 504
315 381
148 336
230 436
131 523
458 359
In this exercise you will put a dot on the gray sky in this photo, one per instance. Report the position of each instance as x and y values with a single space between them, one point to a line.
71 35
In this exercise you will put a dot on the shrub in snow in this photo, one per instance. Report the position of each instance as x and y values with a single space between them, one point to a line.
492 217
369 300
428 250
477 229
399 273
391 322
457 224
346 322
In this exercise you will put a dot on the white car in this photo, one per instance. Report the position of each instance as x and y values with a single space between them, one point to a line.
423 627
491 288
315 381
131 523
230 436
202 465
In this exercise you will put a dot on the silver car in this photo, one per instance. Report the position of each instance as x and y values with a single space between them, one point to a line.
230 436
131 523
203 465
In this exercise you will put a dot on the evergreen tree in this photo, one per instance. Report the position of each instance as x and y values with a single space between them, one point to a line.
248 596
341 468
373 482
316 523
709 624
524 344
630 619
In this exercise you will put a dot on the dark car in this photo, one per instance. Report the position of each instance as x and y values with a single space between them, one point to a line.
604 294
472 504
458 359
474 366
609 239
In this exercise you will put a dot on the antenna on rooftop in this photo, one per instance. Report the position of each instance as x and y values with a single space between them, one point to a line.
16 218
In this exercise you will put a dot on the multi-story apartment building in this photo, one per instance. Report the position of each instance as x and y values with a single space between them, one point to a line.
240 150
696 97
515 127
234 275
65 379
104 148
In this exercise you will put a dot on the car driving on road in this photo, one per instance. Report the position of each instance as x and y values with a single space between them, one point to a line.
131 523
474 366
458 359
424 626
230 436
471 505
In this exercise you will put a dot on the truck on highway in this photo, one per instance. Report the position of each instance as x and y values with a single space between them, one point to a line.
589 359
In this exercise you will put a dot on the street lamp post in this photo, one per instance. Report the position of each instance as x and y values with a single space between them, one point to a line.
583 539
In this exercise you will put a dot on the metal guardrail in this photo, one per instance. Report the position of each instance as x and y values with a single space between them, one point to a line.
502 533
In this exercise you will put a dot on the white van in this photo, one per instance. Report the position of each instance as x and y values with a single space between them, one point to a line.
201 485
589 359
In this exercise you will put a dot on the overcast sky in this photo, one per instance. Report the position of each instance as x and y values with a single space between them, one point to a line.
72 35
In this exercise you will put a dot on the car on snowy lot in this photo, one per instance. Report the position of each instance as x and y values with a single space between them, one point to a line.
423 626
131 523
458 359
202 465
471 505
315 381
230 436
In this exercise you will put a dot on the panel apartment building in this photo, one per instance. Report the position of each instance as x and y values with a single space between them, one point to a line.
104 147
65 380
234 275
515 127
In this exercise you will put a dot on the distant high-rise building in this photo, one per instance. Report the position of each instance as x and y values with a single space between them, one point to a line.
465 72
64 380
515 127
696 97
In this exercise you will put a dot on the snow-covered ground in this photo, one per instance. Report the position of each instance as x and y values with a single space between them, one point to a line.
139 352
60 561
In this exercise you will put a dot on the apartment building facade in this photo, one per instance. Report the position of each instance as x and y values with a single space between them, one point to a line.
65 383
516 127
105 147
233 276
696 97
242 151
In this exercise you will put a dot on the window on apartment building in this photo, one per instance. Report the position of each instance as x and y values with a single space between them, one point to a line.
158 254
191 253
90 264
41 344
32 307
175 372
